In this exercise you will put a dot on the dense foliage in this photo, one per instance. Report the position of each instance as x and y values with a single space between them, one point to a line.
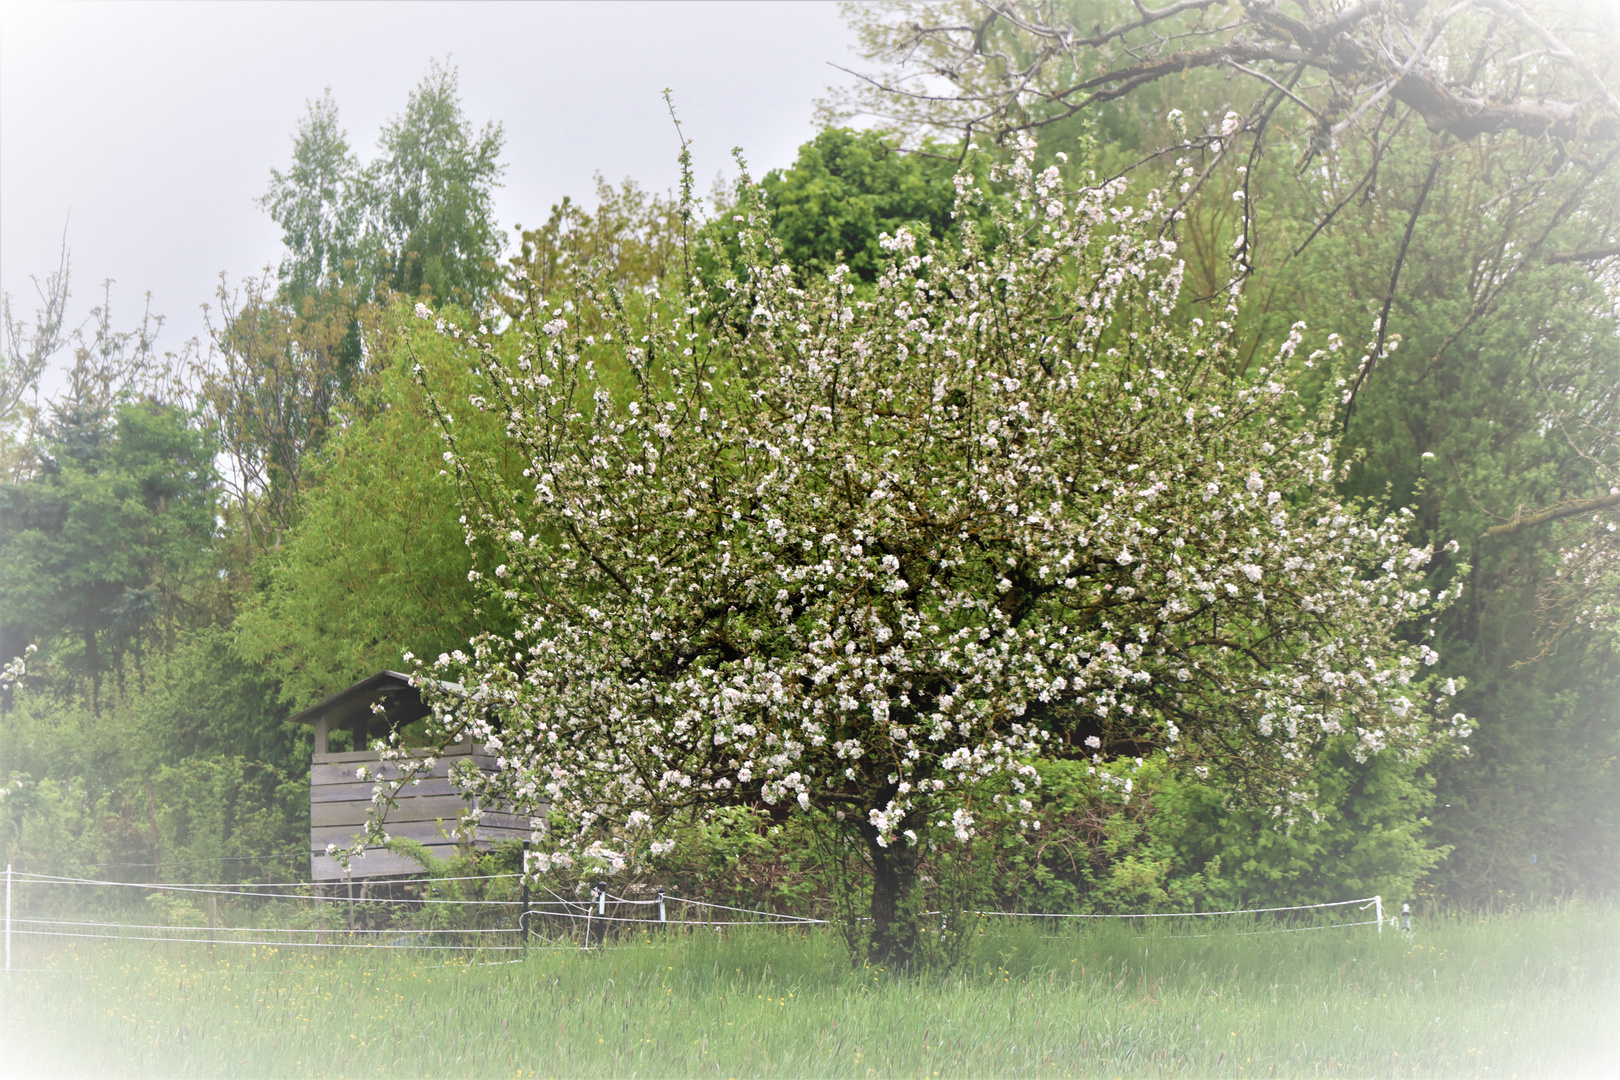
99 544
850 188
376 565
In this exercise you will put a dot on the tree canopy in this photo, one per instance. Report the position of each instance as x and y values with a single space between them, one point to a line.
870 556
418 220
846 190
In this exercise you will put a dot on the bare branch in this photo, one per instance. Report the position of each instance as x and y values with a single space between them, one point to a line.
1377 351
1594 255
28 350
1522 520
1429 34
1263 77
1558 48
1357 48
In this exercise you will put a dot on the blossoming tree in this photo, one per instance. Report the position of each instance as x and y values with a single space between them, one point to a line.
871 552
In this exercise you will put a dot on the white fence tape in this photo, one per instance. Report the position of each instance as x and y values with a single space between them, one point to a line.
398 931
745 911
249 891
1365 900
273 944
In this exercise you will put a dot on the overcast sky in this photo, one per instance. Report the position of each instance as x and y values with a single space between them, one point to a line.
149 129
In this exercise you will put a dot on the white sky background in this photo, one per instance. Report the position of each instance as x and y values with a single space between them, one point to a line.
155 125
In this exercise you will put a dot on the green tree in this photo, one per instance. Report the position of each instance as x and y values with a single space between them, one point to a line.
99 550
846 189
844 192
419 219
432 197
321 203
376 564
108 518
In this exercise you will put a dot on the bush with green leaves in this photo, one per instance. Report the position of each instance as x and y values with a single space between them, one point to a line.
1184 844
187 769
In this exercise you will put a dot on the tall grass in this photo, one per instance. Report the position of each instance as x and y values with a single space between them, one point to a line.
1526 994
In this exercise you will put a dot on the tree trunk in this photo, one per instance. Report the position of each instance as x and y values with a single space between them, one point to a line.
894 929
92 664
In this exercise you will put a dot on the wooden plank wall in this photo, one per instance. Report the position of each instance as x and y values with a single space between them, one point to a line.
427 812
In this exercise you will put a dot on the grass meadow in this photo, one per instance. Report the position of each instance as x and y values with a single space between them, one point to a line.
1527 994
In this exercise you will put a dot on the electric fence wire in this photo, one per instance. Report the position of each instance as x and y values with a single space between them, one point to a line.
273 944
578 910
249 891
396 931
197 862
249 884
1364 901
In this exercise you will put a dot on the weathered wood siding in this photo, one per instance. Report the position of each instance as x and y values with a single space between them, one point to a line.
427 813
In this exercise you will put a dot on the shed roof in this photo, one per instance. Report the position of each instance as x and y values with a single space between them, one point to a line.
353 700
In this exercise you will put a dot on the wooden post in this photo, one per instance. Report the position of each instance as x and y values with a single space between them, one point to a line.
213 917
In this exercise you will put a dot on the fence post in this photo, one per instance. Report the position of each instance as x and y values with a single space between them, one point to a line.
1379 901
8 919
1406 916
523 904
663 923
213 917
599 895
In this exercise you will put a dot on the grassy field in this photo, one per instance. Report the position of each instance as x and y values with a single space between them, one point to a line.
1534 994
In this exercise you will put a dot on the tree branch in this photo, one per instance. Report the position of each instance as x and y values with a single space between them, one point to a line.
1563 510
1592 255
1376 353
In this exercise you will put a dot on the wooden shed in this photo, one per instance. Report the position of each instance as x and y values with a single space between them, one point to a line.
345 724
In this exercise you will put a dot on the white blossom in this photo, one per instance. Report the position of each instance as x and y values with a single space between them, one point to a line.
880 552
